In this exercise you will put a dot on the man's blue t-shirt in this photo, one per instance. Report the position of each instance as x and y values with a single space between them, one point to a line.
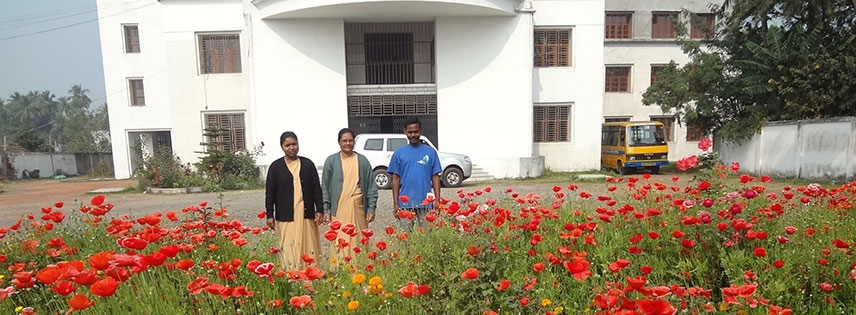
415 165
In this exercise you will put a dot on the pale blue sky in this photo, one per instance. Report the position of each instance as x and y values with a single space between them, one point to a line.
52 60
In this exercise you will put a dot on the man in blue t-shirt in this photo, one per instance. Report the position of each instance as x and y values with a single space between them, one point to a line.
415 170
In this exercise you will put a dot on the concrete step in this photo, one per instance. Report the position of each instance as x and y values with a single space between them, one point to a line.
479 174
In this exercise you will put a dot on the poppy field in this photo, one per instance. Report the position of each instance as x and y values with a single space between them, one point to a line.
725 244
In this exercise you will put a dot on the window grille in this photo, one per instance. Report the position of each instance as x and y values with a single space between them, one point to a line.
552 48
232 137
618 25
389 53
617 79
138 95
220 53
702 25
662 26
552 123
132 38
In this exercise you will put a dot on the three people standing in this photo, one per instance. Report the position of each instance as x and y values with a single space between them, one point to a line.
296 202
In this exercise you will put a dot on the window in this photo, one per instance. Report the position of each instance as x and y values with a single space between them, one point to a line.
668 125
661 25
702 25
618 24
373 145
394 143
138 95
132 39
553 48
615 119
618 78
231 126
552 123
220 53
655 71
389 58
695 132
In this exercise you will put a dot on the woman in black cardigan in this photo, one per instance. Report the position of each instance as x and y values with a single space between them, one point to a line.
294 204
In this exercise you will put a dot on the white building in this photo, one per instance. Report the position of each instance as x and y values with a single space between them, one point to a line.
639 39
261 67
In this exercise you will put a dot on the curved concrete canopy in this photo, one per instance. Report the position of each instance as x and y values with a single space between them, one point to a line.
382 10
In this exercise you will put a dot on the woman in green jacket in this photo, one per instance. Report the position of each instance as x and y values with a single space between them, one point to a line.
350 194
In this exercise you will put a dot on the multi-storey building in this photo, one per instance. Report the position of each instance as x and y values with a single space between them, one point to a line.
514 84
640 38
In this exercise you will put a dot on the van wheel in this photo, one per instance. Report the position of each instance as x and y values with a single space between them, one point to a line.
655 170
382 179
621 169
452 177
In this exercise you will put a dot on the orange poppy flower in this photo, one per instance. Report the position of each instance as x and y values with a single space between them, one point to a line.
470 274
80 302
49 274
300 302
104 287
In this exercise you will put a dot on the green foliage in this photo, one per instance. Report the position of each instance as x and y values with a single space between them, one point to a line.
161 170
29 139
66 123
224 169
768 60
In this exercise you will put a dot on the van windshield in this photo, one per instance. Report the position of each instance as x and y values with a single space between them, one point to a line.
645 135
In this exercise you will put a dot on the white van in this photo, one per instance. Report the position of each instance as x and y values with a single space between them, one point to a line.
378 148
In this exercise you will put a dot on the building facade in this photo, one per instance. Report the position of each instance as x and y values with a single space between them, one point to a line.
513 84
640 38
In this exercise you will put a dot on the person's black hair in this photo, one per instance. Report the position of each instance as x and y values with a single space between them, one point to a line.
412 120
344 131
286 135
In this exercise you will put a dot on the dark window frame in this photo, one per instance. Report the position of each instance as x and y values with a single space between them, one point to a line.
552 47
136 92
219 53
617 79
131 34
618 25
663 26
552 123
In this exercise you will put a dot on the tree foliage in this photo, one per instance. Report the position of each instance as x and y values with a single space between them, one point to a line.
42 122
766 60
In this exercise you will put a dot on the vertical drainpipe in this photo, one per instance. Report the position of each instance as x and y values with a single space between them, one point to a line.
527 15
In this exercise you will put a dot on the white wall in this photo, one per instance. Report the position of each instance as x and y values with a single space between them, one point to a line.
811 149
149 64
484 90
579 85
298 75
192 93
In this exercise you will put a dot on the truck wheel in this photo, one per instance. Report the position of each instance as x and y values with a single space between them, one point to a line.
452 177
655 170
382 179
621 169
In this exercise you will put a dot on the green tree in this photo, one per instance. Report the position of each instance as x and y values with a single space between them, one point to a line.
29 139
767 60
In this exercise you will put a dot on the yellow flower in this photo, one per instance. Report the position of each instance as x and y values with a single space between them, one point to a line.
375 289
723 306
375 280
18 309
2 276
388 295
546 302
358 278
349 268
558 309
742 312
347 294
353 305
333 260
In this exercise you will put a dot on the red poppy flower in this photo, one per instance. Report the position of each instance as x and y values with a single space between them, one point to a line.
331 235
688 243
655 307
538 267
300 302
101 260
171 215
64 288
826 287
132 242
381 245
97 200
184 264
349 229
80 302
403 198
840 244
503 284
104 287
470 274
367 232
197 285
760 252
408 290
313 273
389 230
578 267
85 277
49 274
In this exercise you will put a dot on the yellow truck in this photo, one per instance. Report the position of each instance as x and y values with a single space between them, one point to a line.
633 145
